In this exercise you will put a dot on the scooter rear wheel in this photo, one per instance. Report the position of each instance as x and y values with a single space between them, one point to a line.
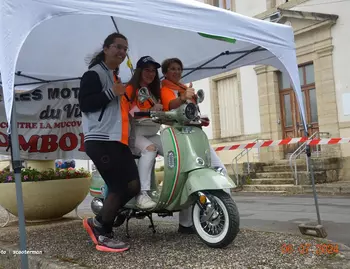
220 231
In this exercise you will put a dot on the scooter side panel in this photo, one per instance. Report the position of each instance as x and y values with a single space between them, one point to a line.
205 179
184 151
97 185
173 179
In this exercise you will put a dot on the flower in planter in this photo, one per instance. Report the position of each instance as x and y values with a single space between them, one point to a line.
65 164
30 175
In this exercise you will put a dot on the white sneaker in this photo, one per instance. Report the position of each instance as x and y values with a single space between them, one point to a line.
143 201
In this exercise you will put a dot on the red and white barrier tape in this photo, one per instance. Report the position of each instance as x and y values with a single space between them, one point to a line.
286 141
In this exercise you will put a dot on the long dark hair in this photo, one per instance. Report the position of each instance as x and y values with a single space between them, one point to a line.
154 87
100 56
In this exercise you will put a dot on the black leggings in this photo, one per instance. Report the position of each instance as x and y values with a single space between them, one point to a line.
115 163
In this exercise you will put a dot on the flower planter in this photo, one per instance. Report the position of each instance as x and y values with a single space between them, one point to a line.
45 200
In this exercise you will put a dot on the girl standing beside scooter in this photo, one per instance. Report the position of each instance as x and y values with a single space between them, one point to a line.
173 95
106 132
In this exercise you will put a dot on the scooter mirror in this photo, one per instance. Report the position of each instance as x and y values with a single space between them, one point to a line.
143 94
200 96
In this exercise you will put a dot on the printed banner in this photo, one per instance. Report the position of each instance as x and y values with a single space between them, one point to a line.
49 123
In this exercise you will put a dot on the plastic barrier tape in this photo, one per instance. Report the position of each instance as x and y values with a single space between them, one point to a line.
286 141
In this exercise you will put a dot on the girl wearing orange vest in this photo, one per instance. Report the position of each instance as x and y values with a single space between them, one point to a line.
174 94
146 141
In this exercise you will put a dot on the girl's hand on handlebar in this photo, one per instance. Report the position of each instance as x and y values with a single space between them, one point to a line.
157 107
189 94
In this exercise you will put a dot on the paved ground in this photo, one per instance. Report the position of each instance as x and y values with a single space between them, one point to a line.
67 241
70 243
285 213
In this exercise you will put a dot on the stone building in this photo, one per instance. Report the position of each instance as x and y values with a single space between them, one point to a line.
257 102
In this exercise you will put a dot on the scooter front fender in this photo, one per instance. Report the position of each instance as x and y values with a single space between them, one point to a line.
205 179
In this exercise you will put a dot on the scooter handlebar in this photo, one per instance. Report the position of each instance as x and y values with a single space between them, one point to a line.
143 114
185 113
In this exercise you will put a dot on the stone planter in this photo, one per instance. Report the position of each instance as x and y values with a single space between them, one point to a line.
45 200
41 165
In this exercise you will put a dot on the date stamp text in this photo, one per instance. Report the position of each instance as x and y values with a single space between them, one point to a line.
307 248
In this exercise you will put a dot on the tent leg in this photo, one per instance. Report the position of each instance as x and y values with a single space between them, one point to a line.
17 167
313 183
313 230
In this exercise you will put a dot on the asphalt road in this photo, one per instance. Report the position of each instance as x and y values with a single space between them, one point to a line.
285 213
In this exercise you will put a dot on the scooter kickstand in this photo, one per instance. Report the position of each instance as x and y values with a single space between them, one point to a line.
127 224
152 224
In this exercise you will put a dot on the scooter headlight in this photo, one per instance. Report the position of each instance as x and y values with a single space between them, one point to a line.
191 111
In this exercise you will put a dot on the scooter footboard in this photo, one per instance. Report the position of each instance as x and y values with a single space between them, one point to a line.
205 179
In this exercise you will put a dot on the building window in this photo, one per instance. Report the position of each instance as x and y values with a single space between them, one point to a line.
225 4
291 120
229 100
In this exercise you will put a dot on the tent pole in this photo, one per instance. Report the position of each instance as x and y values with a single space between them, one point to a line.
317 230
17 167
246 52
242 56
47 81
308 154
127 55
19 73
207 62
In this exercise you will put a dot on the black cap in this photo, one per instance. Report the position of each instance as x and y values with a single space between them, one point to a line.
146 60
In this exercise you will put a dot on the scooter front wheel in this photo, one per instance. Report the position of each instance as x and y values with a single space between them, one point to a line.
220 229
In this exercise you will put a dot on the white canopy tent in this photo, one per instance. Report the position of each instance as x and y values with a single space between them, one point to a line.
46 40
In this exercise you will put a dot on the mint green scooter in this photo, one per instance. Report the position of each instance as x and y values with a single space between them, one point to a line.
188 179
